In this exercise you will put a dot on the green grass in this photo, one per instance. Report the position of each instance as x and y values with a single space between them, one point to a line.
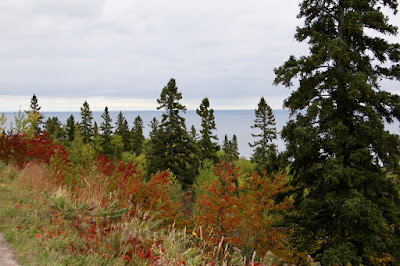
25 221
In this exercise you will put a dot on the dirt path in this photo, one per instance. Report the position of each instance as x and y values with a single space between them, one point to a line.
7 257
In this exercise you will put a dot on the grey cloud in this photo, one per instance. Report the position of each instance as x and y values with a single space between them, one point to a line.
118 48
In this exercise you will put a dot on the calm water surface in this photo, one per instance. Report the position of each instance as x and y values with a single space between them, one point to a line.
230 122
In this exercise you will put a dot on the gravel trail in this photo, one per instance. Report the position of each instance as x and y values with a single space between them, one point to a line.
7 257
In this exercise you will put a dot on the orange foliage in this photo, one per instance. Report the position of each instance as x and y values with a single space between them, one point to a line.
219 207
244 217
261 211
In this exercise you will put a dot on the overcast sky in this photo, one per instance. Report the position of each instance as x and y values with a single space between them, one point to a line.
121 53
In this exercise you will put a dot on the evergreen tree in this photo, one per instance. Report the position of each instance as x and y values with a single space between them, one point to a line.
106 129
35 109
265 152
230 149
208 148
178 155
95 129
126 137
53 127
155 147
119 124
193 134
234 148
70 129
122 129
86 123
154 126
137 136
348 205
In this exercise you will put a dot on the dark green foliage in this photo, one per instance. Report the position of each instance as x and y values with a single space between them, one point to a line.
193 134
106 129
95 129
341 156
86 123
119 124
208 147
122 129
154 126
265 153
155 147
137 136
230 149
70 129
176 147
126 137
35 108
53 127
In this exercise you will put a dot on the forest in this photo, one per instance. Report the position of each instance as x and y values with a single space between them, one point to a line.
332 196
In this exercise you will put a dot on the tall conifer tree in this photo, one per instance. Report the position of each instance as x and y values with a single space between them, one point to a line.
342 158
70 128
178 156
35 109
106 133
86 123
137 136
122 129
207 144
265 152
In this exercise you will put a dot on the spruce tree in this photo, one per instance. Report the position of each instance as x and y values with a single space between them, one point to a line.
70 129
155 147
341 157
154 126
106 133
35 109
95 129
234 148
53 127
178 156
126 137
122 129
265 152
208 147
119 124
193 134
230 149
137 136
86 123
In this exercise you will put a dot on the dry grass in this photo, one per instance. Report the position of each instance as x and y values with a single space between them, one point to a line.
93 191
35 175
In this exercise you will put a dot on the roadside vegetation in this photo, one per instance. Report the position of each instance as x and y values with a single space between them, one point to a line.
84 193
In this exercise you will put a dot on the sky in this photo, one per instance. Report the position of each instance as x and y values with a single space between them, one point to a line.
121 53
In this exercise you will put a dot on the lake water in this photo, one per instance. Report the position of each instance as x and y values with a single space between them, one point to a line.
230 122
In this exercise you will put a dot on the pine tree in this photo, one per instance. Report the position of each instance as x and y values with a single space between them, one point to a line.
106 129
70 128
342 158
35 109
178 155
265 152
208 148
86 123
137 136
